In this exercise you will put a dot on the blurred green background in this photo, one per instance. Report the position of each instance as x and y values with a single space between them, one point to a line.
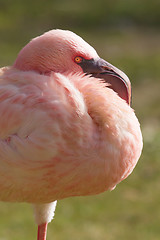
127 34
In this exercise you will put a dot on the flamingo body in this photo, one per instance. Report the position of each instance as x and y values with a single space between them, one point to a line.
63 133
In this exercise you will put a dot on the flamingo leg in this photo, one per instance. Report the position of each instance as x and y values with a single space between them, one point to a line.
42 231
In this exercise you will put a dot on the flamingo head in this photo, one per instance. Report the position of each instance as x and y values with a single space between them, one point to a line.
65 52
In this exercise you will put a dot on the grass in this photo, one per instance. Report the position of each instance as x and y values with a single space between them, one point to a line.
132 210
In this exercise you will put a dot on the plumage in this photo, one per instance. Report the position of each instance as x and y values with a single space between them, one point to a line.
62 133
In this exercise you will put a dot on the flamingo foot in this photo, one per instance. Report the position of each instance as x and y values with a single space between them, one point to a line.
42 231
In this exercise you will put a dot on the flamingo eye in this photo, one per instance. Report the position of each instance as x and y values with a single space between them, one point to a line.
78 59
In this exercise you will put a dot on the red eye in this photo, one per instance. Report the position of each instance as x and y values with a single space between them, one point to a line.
78 59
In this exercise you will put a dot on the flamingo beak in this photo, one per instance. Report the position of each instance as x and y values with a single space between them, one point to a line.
117 80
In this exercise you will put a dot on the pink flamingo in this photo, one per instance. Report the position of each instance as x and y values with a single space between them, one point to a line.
67 128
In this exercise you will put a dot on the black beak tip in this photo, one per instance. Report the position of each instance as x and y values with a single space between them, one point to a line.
117 80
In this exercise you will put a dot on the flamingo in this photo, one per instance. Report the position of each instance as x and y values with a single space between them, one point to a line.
66 126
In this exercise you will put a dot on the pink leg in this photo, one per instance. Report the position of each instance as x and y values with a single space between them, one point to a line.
42 231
